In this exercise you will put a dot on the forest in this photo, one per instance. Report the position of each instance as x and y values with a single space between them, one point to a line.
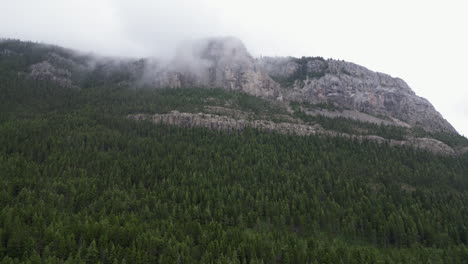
81 183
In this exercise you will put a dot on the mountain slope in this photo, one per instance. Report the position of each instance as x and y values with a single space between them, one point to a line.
83 183
354 87
225 63
335 98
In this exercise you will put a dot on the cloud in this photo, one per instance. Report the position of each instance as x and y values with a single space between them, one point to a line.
161 25
85 25
420 41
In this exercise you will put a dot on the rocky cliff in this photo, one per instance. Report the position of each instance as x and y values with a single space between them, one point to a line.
217 63
226 123
353 91
353 87
226 63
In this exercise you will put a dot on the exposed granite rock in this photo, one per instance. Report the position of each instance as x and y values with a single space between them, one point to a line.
226 63
356 115
218 122
429 144
354 87
463 150
219 63
74 69
279 66
234 113
47 72
69 64
225 123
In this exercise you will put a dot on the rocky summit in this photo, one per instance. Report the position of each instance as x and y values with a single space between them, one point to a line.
350 86
323 87
226 63
217 62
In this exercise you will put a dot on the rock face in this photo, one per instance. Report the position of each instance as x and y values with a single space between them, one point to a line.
218 63
358 116
463 150
225 123
226 63
217 122
354 87
46 71
430 144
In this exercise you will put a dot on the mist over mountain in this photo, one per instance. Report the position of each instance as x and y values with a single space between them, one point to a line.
307 87
237 132
226 63
217 156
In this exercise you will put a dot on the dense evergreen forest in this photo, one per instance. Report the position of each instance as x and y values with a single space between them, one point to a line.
81 183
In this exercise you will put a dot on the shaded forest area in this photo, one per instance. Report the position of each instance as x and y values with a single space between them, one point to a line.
83 184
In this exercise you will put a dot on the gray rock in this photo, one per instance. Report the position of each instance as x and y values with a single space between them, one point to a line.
428 144
225 123
356 115
47 72
226 63
218 63
463 150
218 122
278 66
316 66
354 87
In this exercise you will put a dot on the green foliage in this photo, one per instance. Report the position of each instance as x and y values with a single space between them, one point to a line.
86 71
83 184
18 56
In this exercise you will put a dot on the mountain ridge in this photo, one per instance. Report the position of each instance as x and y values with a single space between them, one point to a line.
353 91
226 123
98 166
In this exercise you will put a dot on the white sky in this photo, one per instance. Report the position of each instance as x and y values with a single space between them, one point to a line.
424 42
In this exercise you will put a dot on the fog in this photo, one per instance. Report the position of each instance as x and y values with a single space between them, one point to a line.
422 42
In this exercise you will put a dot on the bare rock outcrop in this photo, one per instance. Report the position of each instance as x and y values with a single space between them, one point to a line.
45 71
217 122
356 115
218 63
354 87
463 150
428 144
226 63
225 123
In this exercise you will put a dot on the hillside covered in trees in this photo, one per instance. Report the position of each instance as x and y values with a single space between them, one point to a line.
82 183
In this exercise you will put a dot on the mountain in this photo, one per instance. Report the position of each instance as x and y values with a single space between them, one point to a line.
330 97
218 157
226 63
350 86
218 63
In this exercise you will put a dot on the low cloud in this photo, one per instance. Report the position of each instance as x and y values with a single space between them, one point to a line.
421 45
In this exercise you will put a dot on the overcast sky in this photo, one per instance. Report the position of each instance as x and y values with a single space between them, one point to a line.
424 42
